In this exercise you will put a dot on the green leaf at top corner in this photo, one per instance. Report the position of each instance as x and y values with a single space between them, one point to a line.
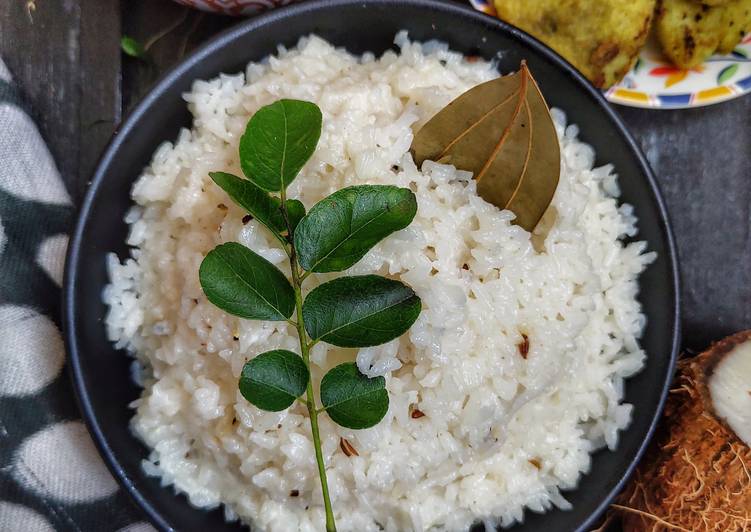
274 379
244 284
353 400
132 47
278 141
340 229
360 311
264 207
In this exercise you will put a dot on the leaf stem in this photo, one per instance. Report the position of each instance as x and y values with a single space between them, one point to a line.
285 245
310 402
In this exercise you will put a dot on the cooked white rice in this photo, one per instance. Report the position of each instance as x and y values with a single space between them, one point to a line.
500 433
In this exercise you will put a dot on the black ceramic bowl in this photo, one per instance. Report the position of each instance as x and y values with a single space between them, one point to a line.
101 373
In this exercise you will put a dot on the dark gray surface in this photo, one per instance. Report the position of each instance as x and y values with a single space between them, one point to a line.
702 158
65 55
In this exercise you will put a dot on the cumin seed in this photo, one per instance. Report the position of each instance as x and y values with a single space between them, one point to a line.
417 414
347 448
523 346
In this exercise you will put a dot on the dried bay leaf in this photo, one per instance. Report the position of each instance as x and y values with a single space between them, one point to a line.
502 132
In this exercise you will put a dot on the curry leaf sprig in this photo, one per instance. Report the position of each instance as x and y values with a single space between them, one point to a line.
350 311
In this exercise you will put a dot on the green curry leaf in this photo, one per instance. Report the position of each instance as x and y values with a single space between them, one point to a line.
360 311
351 399
295 212
240 282
264 207
340 229
274 379
132 47
279 140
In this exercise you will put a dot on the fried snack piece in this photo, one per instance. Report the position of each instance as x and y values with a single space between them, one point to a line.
738 23
599 37
689 32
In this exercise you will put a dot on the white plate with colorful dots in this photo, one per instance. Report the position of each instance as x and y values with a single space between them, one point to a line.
655 83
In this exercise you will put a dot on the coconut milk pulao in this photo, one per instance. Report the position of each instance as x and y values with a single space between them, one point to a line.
507 382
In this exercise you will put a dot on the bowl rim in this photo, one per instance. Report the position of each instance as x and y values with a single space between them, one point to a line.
216 43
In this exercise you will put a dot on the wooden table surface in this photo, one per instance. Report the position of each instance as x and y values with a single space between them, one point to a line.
65 55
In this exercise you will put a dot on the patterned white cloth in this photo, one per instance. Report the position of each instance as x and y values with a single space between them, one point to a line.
51 477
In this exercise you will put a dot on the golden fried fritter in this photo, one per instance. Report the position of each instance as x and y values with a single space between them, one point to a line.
689 32
599 37
737 22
